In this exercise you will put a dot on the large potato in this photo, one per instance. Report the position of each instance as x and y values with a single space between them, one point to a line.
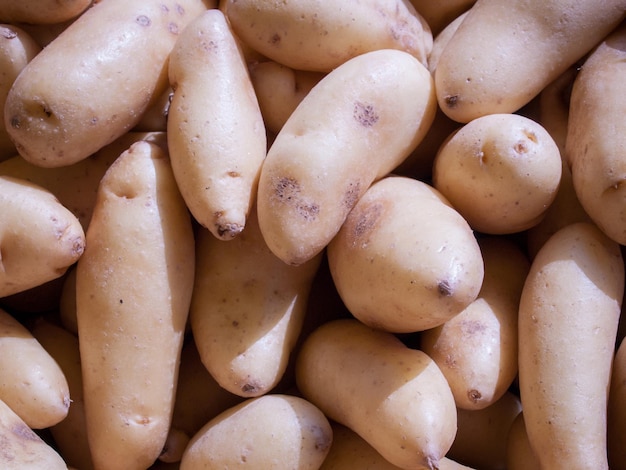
133 291
404 260
107 67
355 126
394 397
319 36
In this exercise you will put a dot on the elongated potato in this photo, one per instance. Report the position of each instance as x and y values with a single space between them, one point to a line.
39 237
247 310
215 133
32 383
568 317
394 397
110 63
133 291
318 36
272 431
41 11
22 448
596 135
431 271
504 54
477 349
355 126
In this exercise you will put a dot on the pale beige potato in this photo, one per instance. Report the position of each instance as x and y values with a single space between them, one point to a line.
319 36
500 171
110 64
477 349
596 135
439 15
280 89
394 397
22 448
504 53
31 381
272 431
41 11
247 309
39 238
133 291
519 454
215 133
568 319
441 41
404 260
354 127
616 411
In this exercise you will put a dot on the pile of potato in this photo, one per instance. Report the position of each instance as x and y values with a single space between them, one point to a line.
381 234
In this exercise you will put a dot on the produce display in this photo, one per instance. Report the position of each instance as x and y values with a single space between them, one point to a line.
364 234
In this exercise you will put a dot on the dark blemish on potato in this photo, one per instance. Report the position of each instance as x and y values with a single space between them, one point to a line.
368 218
22 431
235 323
520 147
179 9
8 33
172 27
121 301
15 122
229 230
143 20
165 8
288 190
275 39
444 288
351 196
365 114
474 396
93 121
323 440
250 388
470 328
234 174
451 101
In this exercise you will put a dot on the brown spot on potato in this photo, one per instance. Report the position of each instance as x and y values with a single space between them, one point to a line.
444 288
143 20
367 219
234 174
352 194
365 114
474 396
8 33
172 27
275 39
520 147
323 440
451 101
250 388
288 191
15 122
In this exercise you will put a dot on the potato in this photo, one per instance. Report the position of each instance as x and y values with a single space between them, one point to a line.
616 411
477 349
568 317
272 431
39 237
497 66
519 454
133 291
215 133
34 385
595 135
430 272
247 309
22 448
70 434
355 126
317 36
441 41
394 397
112 61
41 11
500 171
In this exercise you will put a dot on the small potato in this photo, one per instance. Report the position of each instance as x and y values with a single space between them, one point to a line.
500 171
394 397
319 36
404 260
39 238
504 53
477 349
354 127
272 431
112 62
31 381
41 11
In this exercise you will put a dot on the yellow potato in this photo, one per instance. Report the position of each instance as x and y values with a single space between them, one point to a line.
504 53
519 454
22 448
272 431
394 397
133 291
247 309
41 11
500 171
616 411
215 133
355 126
31 381
319 36
39 237
568 318
404 260
477 349
108 65
596 135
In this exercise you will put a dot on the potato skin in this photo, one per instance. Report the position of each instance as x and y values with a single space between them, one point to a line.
355 126
272 431
41 11
112 61
394 397
133 291
431 271
568 319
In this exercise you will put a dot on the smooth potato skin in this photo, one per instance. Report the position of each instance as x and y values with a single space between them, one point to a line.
568 319
133 291
41 11
112 60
